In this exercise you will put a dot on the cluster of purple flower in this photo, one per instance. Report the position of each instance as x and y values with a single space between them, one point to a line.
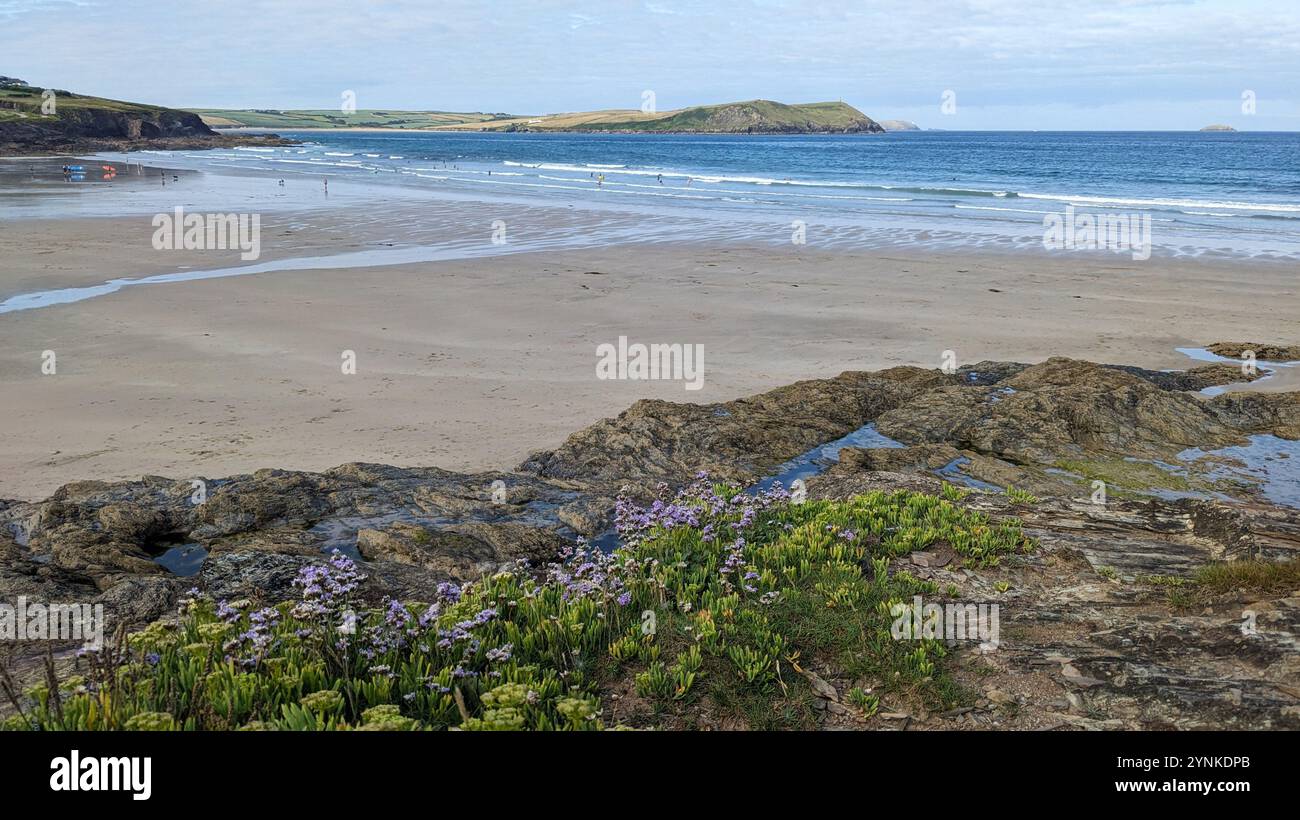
689 505
249 647
634 522
398 629
463 632
501 653
584 571
733 566
326 589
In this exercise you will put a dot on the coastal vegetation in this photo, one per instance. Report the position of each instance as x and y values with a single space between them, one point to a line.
715 593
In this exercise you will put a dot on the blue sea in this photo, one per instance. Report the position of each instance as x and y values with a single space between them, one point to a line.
1207 194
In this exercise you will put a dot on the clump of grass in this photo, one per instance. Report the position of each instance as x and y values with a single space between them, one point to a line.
1165 580
1257 577
1249 576
1180 598
733 588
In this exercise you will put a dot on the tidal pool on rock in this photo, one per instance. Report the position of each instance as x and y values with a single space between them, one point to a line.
820 458
183 560
1200 354
952 471
1272 462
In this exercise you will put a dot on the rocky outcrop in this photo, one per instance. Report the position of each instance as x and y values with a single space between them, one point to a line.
740 440
1067 408
80 123
461 551
1263 352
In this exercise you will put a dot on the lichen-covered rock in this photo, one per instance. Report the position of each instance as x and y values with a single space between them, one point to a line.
738 440
463 552
1065 407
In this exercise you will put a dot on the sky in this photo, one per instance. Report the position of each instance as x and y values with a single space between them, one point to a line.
951 64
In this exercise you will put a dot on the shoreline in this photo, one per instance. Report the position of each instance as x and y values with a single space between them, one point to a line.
478 358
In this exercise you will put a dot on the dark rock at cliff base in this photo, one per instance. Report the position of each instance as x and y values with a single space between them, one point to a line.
40 121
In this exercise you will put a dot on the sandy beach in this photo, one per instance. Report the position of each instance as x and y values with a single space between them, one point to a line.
474 363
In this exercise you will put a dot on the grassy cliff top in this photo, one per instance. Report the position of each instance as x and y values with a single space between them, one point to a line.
21 101
739 117
333 118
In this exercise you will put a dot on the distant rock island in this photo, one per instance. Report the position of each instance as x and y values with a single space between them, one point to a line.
749 117
899 125
41 121
1218 127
